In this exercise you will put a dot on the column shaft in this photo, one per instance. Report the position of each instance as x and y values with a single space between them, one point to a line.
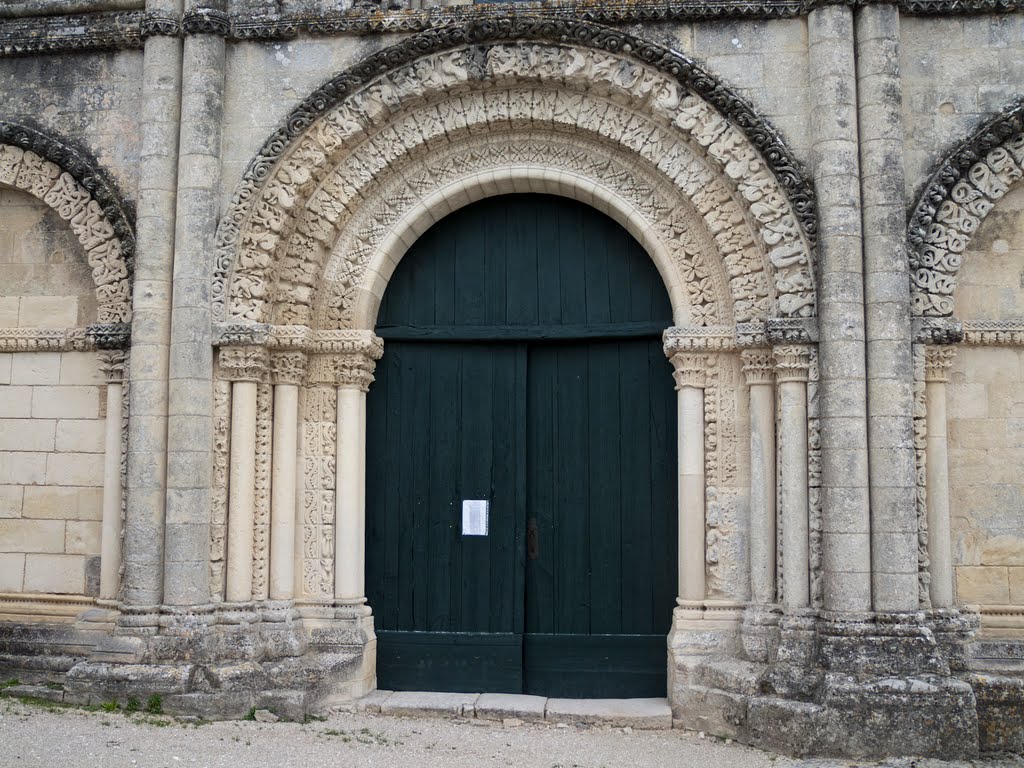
282 503
151 317
690 378
762 493
846 548
241 496
110 536
350 499
890 368
795 526
190 394
940 548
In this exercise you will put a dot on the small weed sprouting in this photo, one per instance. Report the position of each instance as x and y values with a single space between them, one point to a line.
132 705
155 704
55 686
250 715
12 682
110 706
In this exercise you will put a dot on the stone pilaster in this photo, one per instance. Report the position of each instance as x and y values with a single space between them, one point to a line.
146 472
190 395
846 546
112 365
938 361
890 367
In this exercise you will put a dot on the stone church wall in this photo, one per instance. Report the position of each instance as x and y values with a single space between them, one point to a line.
51 420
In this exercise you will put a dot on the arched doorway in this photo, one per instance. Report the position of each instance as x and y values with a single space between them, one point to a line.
523 368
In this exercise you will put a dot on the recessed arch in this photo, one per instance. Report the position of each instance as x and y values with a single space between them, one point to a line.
971 178
82 195
376 125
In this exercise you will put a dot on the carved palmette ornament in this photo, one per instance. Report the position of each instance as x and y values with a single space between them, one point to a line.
319 443
301 197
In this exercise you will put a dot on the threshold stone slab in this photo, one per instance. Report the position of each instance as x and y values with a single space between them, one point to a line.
504 706
371 702
649 714
428 703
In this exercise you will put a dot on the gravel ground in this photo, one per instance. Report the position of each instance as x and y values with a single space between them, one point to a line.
33 735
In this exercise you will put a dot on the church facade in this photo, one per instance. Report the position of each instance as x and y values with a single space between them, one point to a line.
591 350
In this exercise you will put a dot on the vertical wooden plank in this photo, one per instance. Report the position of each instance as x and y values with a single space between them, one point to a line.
664 493
541 480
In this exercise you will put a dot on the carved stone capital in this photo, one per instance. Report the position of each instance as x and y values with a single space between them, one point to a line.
792 330
758 366
155 24
113 364
206 21
690 369
937 363
792 362
697 338
938 330
343 369
347 341
287 367
248 363
240 334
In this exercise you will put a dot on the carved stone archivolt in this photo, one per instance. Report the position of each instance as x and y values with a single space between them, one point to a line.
958 197
319 222
82 195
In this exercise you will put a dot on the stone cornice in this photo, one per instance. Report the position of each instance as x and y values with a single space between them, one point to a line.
994 333
129 29
697 338
45 340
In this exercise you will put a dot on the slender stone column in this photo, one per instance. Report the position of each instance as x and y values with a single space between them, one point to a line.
245 367
690 379
288 370
792 363
151 310
190 390
890 366
938 361
846 545
757 368
353 375
112 364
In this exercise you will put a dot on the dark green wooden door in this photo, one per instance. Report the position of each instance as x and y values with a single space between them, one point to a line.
522 366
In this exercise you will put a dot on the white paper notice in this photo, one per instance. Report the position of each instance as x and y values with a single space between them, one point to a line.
475 513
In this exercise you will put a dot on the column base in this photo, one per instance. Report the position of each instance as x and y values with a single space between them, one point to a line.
221 661
759 632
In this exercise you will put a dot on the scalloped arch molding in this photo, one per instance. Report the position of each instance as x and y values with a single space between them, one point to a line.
369 161
82 195
955 201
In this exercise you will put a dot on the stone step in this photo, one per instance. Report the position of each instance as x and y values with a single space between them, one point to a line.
504 707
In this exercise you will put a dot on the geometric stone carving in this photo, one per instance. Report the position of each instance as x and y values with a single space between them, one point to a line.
296 201
953 205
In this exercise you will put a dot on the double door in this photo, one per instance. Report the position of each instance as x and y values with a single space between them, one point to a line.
558 577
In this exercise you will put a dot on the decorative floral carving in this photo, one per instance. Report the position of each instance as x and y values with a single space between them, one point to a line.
937 363
69 183
792 362
690 370
268 212
219 503
921 476
244 363
817 586
261 507
758 366
998 333
319 443
113 364
957 198
288 367
45 340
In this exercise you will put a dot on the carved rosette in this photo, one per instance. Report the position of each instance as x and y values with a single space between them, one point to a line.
244 363
758 366
113 365
792 362
288 367
690 369
937 363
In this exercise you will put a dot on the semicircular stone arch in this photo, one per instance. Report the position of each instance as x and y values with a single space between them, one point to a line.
83 196
957 198
336 197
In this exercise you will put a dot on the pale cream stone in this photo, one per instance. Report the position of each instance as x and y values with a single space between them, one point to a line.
80 368
82 435
34 368
90 503
109 533
1004 549
11 497
282 510
82 538
65 402
986 585
63 574
52 502
74 469
48 312
27 434
242 493
9 311
1016 578
15 402
31 535
12 572
6 362
350 499
19 468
